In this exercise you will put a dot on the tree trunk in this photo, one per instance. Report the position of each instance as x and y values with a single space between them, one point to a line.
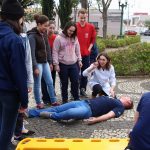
84 4
104 23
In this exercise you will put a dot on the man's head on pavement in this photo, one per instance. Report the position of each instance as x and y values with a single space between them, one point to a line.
127 102
82 16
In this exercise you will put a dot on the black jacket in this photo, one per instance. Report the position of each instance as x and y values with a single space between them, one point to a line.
40 48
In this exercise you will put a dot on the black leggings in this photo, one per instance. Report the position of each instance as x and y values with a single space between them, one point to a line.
19 125
97 89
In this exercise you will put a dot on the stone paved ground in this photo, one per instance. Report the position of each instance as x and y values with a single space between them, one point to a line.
114 128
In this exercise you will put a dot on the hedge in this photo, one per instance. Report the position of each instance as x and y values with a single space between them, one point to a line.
132 61
115 43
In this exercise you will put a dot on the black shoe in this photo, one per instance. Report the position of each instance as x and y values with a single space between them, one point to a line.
19 138
30 132
83 93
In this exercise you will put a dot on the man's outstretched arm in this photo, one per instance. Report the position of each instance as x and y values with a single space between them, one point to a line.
104 117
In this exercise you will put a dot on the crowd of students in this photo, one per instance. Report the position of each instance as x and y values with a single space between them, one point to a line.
31 60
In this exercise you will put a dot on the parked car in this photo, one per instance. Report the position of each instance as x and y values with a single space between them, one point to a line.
130 32
147 33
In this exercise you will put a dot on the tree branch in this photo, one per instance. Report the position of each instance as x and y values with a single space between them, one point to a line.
99 5
108 2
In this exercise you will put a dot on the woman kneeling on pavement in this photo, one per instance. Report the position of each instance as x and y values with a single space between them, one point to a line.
101 76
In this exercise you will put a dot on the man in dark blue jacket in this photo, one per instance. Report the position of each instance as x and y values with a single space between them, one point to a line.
140 135
13 75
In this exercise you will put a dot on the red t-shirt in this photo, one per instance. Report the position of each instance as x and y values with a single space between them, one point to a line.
86 36
51 40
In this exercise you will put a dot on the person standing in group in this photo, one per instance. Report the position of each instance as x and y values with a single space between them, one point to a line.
94 50
102 78
13 74
20 131
41 59
86 35
51 38
67 60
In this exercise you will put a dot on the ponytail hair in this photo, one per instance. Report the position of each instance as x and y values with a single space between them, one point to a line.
40 19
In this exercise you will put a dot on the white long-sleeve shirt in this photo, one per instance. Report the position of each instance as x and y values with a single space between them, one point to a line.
106 78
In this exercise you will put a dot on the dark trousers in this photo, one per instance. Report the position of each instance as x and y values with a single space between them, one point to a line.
97 89
19 125
9 105
45 95
86 64
69 72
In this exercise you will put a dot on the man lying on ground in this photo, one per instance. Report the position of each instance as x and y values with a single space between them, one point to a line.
140 135
93 110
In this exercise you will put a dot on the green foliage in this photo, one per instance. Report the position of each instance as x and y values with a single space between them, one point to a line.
64 11
75 2
132 61
48 8
100 44
112 42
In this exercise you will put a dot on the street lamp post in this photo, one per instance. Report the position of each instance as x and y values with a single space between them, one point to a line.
89 4
122 6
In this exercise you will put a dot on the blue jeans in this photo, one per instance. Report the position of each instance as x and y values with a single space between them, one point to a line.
9 105
44 69
71 110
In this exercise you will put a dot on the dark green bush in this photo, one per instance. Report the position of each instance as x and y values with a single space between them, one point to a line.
132 61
